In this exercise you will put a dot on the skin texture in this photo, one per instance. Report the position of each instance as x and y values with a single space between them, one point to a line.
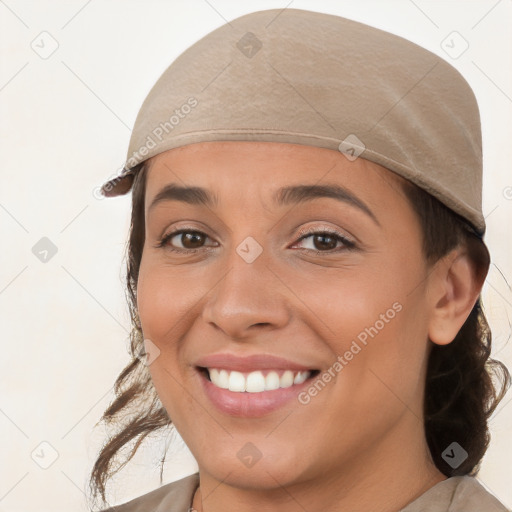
358 444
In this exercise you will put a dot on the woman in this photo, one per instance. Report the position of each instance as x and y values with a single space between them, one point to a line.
305 264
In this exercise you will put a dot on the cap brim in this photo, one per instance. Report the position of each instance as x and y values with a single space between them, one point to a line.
118 186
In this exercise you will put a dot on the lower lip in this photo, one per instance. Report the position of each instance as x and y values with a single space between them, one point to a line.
249 405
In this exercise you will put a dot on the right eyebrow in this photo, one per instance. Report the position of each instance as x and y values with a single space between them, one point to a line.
189 195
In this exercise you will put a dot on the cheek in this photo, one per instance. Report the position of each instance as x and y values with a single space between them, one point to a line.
375 318
162 313
163 302
348 303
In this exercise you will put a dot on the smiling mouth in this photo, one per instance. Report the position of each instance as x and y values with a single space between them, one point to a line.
256 381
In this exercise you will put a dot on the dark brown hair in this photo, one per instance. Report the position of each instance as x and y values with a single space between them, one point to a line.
460 393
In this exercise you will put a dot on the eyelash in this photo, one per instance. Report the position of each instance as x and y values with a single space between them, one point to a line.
349 244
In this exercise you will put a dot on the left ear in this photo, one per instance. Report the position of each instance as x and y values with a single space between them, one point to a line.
455 286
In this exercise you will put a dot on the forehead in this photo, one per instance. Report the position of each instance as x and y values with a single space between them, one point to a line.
232 168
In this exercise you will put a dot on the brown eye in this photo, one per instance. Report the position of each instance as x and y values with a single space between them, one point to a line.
191 240
326 241
183 240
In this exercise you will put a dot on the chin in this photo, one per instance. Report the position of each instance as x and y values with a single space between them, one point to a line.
255 465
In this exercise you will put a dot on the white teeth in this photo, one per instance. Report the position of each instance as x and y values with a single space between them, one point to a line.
236 381
272 381
255 382
300 377
214 374
286 379
223 379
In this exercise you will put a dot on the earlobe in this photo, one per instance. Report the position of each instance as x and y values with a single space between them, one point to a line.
456 286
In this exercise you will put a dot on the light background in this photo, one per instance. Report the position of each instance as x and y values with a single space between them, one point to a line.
64 128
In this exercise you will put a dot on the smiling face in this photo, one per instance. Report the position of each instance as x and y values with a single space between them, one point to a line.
301 280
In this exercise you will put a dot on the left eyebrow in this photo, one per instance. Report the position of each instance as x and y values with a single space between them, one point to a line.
301 193
284 196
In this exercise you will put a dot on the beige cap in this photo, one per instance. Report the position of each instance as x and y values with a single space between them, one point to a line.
304 77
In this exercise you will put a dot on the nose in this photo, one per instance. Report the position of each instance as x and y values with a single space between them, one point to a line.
247 299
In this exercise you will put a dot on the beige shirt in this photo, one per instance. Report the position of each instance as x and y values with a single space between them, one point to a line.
456 494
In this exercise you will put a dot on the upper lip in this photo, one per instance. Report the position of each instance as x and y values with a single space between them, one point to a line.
249 363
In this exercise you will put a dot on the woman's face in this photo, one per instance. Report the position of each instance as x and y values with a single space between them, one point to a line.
253 297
